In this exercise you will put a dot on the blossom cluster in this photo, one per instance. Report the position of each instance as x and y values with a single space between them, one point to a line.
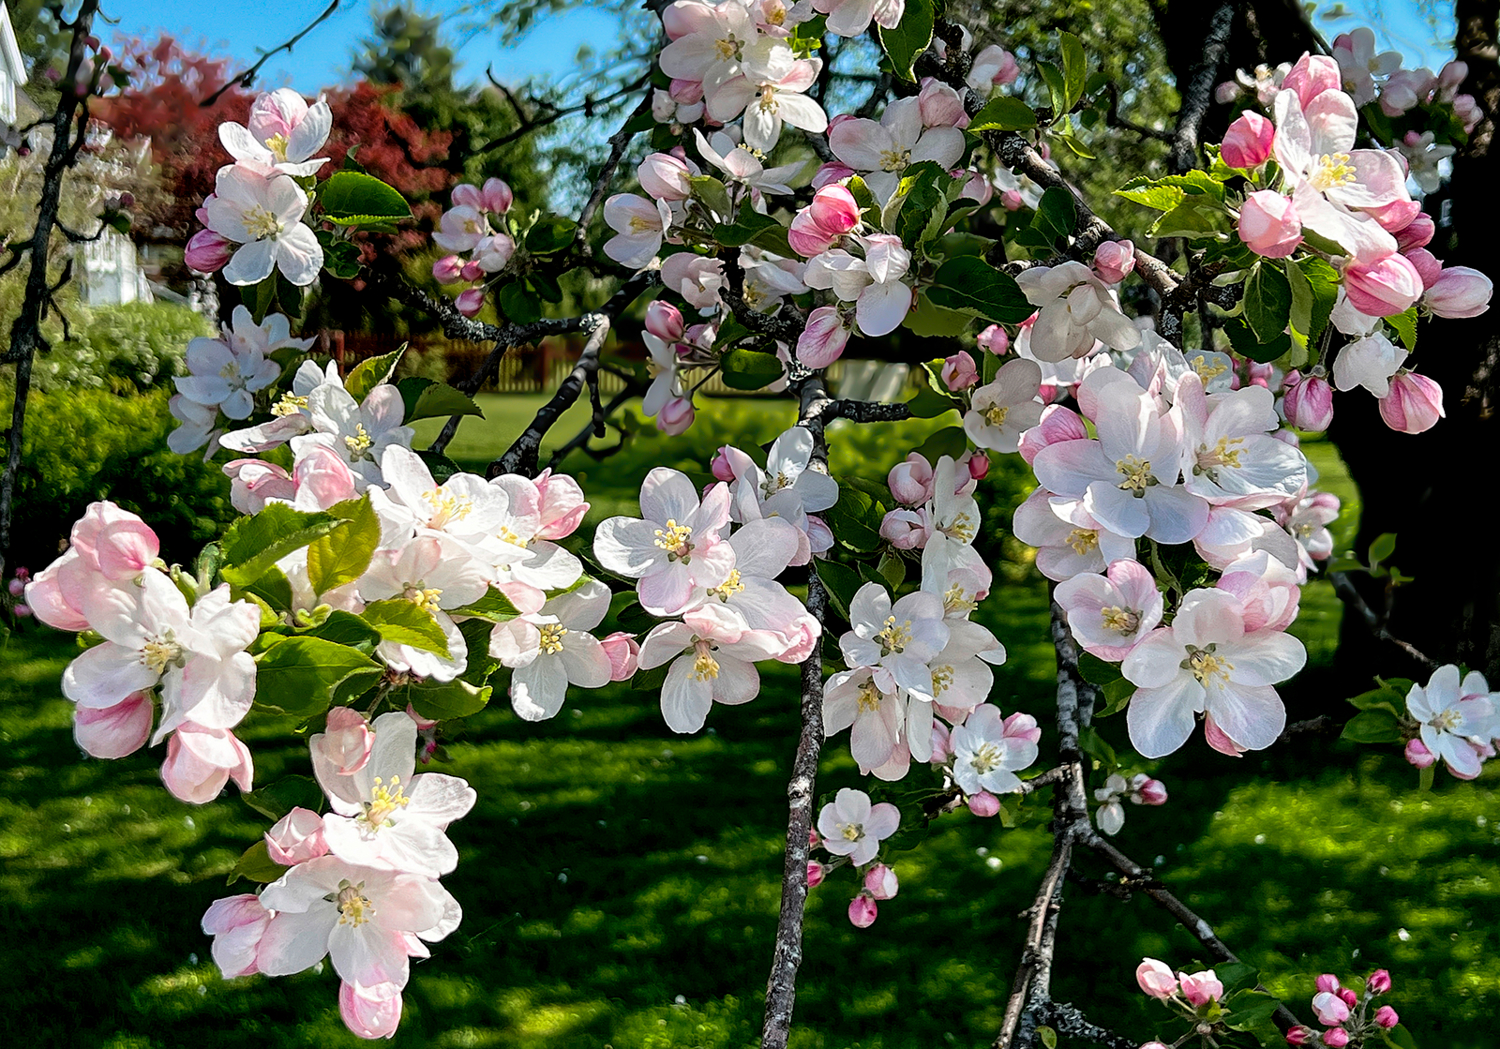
1346 1014
851 829
1455 720
469 228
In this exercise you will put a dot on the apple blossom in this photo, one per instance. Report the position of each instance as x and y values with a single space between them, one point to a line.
201 760
881 882
1110 614
1451 721
553 649
1075 310
1414 403
862 911
263 214
435 573
988 751
740 163
1386 1017
1358 63
1247 143
994 339
639 225
1458 292
884 150
284 133
1370 362
207 251
1336 1038
1269 224
852 827
237 924
1068 539
695 278
665 177
768 100
1200 988
1308 403
674 547
1114 260
1329 1008
816 872
1002 410
713 654
959 372
1382 288
823 340
297 837
114 731
1156 978
1227 457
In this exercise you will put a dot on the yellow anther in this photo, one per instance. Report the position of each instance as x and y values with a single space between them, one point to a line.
868 698
1120 620
1208 668
355 907
995 414
159 653
1137 474
359 445
552 635
705 666
851 831
385 800
1082 540
1331 171
957 600
1221 454
505 535
962 528
727 589
1208 371
894 637
277 145
772 485
260 223
422 596
290 404
674 540
727 47
987 758
640 225
895 159
942 679
446 507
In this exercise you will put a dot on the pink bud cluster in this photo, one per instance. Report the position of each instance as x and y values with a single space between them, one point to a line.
1346 1015
469 228
851 831
1156 978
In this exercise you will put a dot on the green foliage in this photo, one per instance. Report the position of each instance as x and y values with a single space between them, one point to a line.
301 675
750 369
124 349
971 284
252 545
910 38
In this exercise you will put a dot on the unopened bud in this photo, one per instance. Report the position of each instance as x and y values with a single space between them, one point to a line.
862 911
984 804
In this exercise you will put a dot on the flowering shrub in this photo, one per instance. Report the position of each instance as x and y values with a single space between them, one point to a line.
372 592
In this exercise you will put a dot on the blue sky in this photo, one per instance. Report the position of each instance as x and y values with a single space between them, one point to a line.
238 27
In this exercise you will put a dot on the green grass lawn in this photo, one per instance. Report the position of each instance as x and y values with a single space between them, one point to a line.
620 883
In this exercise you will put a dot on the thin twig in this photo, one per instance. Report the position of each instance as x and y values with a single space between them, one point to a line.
618 143
1344 587
521 457
247 78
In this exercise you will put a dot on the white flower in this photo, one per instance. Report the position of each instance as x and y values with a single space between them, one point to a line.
742 165
553 649
884 150
713 655
768 101
1076 308
852 827
264 215
284 133
895 641
434 573
227 372
640 225
1000 410
1369 362
358 432
1452 719
987 753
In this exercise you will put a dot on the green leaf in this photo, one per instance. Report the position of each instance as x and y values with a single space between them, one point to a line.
1151 193
1117 696
950 441
428 399
1268 301
342 555
1072 142
1048 1036
1314 285
970 283
272 587
446 700
551 233
1385 698
493 606
1236 976
1373 726
1056 215
1381 549
404 622
1195 182
855 519
253 545
1399 1036
275 800
256 865
1095 670
923 204
1246 344
1057 88
744 369
711 192
1426 777
1191 219
892 569
519 303
341 259
299 675
346 628
841 582
910 37
1075 74
545 285
370 373
1004 113
352 198
932 321
1249 1009
751 227
480 664
1093 744
1405 325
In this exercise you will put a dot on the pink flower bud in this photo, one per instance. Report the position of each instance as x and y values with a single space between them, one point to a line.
816 872
942 743
1300 1035
1011 200
977 187
979 465
1114 260
880 882
296 838
1247 143
675 416
959 372
1335 1038
624 654
664 177
1201 987
665 321
1459 292
910 480
237 924
207 252
1386 1017
1348 997
721 467
1465 108
113 731
995 340
1417 754
1216 738
1010 69
1417 234
1021 726
1378 982
345 744
470 302
1427 265
1396 216
823 340
1311 76
1154 1045
1156 978
1382 288
686 92
806 237
831 172
1152 792
834 210
467 196
1327 982
813 840
496 196
200 761
16 587
862 911
371 1012
1309 404
471 271
1414 404
448 269
491 254
940 105
1329 1008
906 529
1269 225
1452 75
984 804
1058 424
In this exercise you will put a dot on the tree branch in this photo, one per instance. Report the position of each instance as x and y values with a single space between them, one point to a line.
521 457
1344 587
247 78
618 142
1200 89
529 123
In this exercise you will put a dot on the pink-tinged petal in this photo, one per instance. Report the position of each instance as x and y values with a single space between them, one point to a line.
738 682
685 700
1153 663
538 689
113 732
1209 617
669 589
368 955
370 1012
883 820
882 307
294 942
585 660
1160 720
1265 658
104 675
850 806
667 495
1177 515
1251 716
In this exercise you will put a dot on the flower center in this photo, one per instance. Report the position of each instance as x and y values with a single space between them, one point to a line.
961 528
277 144
422 596
1446 720
674 540
995 414
1208 668
290 404
728 48
772 485
355 907
1082 540
552 635
868 698
894 637
768 103
446 507
1206 371
705 666
260 223
729 587
230 372
1221 454
1122 621
942 679
851 831
895 159
158 653
505 535
384 801
987 758
957 600
1137 474
640 225
1331 171
360 443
